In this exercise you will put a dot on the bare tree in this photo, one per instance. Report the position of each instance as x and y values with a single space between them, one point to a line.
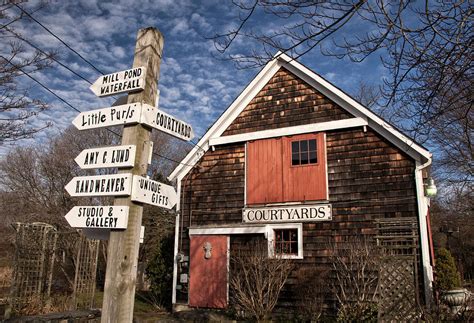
426 48
17 107
257 279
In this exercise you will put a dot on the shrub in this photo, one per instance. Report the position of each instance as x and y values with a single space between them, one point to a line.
256 280
159 271
447 275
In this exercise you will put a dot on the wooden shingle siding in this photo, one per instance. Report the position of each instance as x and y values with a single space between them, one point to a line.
214 190
285 101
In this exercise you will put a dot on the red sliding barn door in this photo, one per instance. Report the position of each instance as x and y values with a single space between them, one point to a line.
273 177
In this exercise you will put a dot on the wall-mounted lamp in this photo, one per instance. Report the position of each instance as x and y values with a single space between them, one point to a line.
431 189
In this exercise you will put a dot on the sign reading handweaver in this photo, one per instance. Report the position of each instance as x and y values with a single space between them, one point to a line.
107 217
101 185
165 122
152 192
106 117
115 156
124 81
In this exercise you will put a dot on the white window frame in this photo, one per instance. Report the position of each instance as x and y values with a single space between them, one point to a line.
271 240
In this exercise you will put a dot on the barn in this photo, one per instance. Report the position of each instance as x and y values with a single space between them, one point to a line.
299 164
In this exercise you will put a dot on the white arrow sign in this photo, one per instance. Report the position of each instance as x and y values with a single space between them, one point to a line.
162 121
115 156
101 185
152 192
111 217
119 82
106 117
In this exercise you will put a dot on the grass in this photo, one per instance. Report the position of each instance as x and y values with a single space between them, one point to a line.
143 304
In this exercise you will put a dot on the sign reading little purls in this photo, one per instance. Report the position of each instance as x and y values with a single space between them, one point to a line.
293 213
107 117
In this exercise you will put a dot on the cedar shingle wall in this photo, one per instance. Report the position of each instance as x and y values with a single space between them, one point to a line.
285 101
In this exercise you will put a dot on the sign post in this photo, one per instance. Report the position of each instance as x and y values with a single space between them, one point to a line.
122 260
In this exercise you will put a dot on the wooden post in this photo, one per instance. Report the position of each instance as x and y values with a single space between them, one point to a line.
122 254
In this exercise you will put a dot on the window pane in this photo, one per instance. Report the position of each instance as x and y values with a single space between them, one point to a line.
312 145
312 157
304 158
295 147
304 145
286 242
295 159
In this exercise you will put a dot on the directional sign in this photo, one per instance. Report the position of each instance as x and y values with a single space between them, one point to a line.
152 192
101 185
161 120
106 117
111 217
114 156
119 82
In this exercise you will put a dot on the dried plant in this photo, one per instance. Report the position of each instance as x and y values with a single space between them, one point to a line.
256 280
356 264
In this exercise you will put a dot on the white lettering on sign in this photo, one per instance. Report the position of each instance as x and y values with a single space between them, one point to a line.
163 121
115 156
119 82
294 213
111 217
101 185
153 192
106 117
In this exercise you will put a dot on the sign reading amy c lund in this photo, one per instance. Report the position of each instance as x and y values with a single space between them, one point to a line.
288 213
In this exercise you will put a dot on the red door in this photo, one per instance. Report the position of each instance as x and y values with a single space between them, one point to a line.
208 271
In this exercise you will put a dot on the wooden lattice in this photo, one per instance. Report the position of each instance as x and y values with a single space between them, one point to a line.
86 269
35 246
398 277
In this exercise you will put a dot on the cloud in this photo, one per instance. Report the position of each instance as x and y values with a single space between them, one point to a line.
195 85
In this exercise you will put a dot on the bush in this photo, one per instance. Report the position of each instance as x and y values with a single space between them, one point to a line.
447 275
159 271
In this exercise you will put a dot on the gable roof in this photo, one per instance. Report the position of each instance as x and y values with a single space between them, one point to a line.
414 150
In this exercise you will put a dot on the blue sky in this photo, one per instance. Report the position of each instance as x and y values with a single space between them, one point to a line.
196 84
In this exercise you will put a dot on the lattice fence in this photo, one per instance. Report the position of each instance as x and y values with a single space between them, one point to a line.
398 277
35 247
86 270
42 258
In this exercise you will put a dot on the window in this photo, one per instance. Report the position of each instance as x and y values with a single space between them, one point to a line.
286 242
304 152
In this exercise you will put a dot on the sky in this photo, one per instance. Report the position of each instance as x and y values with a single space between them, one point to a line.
196 84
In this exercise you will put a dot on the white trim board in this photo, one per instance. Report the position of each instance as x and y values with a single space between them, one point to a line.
290 131
266 229
228 230
405 144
